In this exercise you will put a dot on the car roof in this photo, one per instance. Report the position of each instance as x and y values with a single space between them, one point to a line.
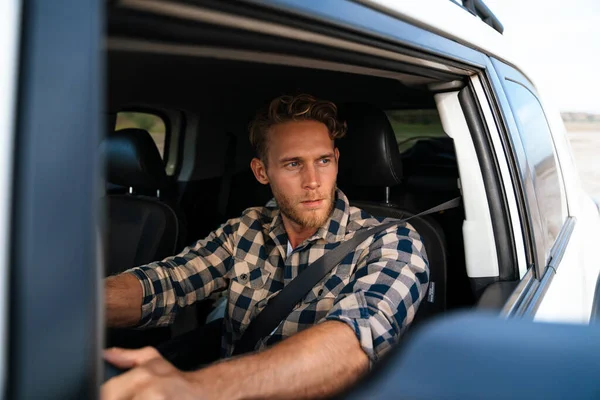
450 20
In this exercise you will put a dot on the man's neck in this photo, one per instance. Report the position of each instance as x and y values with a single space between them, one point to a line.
296 233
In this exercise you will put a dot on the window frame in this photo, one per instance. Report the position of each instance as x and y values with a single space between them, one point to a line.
506 72
473 109
504 123
508 170
529 293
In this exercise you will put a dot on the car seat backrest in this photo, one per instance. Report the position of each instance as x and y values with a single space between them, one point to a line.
369 157
369 153
134 161
141 228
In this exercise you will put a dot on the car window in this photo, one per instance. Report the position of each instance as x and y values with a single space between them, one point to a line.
411 125
541 156
152 123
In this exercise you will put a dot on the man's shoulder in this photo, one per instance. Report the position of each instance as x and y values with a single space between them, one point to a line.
402 237
360 219
254 217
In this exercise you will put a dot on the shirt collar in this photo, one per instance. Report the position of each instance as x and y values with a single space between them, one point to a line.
332 231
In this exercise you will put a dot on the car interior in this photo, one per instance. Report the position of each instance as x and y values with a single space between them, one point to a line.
167 189
151 215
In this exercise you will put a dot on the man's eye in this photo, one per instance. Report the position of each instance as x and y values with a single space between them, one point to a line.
325 161
292 164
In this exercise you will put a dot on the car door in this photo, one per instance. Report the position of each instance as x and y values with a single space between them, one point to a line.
555 268
51 80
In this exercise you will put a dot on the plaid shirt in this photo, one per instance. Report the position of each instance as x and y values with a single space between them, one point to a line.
376 289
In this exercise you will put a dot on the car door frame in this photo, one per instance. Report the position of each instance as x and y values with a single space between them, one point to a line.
10 39
55 322
531 291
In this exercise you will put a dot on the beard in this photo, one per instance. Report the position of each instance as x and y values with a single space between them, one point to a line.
306 218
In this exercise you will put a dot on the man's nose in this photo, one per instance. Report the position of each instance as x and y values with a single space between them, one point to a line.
310 178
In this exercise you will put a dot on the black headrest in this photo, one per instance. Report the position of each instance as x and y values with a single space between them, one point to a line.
133 160
369 154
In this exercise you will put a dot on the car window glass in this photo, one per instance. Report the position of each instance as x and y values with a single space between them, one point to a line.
151 123
539 151
412 125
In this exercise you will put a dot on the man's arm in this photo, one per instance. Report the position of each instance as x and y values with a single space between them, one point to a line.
315 363
385 291
318 362
123 294
153 294
367 319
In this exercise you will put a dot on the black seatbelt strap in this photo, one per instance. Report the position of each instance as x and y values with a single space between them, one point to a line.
280 306
228 169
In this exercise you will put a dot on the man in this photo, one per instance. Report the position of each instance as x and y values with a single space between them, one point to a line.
348 320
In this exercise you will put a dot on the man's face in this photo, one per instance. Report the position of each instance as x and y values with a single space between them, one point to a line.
302 170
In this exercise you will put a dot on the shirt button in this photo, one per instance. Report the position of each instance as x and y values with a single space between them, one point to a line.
244 277
320 292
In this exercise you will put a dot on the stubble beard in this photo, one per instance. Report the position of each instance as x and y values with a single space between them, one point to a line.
307 219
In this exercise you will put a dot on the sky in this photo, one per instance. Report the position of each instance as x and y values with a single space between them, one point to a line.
557 42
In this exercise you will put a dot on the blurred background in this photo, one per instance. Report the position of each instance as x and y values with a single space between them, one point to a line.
558 44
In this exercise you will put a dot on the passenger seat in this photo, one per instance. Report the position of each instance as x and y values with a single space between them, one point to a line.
142 227
370 165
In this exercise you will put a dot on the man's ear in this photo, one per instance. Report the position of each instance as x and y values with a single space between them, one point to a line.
337 155
260 171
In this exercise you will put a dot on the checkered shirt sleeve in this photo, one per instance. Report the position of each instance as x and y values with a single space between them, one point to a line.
384 292
185 278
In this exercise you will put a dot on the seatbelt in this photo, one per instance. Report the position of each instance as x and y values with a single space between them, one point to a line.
280 306
228 169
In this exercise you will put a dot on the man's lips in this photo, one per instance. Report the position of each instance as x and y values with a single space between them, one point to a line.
312 203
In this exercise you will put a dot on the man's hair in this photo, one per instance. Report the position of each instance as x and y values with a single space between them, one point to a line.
303 107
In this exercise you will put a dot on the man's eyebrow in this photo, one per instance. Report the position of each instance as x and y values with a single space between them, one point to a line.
290 159
328 155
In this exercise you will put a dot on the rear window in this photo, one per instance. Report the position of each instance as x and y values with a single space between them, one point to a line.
412 125
152 123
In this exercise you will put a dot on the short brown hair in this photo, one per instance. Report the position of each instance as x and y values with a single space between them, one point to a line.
287 108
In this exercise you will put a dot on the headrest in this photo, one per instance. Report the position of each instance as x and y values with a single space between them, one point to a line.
369 154
133 160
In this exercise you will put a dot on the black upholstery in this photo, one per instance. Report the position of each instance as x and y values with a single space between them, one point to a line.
369 157
134 161
140 229
369 153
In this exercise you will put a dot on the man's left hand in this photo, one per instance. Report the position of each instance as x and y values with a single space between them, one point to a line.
150 377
